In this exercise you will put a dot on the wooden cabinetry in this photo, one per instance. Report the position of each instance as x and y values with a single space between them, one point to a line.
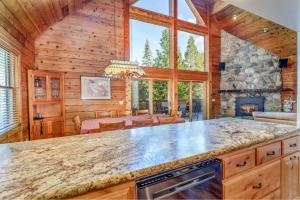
256 184
238 163
46 104
124 191
290 176
291 145
268 152
274 174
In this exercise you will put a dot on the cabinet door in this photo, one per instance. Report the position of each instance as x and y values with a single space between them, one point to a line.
57 128
39 130
290 176
124 191
40 87
55 87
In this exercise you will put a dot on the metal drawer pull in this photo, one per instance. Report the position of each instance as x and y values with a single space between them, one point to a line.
293 145
258 186
271 153
242 165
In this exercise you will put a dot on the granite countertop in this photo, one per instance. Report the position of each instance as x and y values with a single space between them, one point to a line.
64 167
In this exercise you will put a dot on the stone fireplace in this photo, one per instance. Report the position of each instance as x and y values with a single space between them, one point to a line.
248 67
246 105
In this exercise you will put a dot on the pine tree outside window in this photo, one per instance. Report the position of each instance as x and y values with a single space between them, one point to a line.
150 44
190 52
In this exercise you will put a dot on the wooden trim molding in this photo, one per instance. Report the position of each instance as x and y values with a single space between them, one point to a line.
150 17
11 44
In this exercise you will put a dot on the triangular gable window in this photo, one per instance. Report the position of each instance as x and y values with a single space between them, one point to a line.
187 12
158 6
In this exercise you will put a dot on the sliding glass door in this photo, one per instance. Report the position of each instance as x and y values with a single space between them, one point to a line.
150 95
191 100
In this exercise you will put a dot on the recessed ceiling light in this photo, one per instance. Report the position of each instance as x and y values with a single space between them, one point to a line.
265 30
234 17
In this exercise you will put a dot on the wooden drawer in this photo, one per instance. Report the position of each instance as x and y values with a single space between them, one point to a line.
238 163
268 152
255 184
273 196
290 145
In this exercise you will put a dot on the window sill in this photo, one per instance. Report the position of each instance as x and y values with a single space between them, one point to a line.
12 135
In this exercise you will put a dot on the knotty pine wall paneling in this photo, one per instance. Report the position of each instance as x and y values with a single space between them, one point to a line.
82 44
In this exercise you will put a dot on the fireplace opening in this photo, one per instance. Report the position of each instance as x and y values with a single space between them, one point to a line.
246 105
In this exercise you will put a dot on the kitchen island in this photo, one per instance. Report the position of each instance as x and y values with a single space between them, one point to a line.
69 166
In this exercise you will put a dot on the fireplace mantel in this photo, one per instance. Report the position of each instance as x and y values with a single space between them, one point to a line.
239 91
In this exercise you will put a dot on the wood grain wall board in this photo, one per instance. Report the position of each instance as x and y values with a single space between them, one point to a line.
83 44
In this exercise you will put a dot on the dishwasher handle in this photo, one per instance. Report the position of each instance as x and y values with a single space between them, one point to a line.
184 185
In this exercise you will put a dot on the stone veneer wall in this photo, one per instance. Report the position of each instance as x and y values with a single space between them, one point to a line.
247 67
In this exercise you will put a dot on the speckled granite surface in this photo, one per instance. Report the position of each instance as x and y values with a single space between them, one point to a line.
62 167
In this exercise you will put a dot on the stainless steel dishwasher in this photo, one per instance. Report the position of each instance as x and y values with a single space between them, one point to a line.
201 180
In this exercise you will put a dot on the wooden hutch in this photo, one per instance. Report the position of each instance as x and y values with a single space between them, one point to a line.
46 104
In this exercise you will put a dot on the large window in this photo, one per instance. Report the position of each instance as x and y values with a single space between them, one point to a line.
187 12
159 6
8 93
149 44
190 52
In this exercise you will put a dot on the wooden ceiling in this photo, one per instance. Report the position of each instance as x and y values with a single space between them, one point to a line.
279 40
31 17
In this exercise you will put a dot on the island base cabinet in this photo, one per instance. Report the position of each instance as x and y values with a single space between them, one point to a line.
290 176
124 191
255 184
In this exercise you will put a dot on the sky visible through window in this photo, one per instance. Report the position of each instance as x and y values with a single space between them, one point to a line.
185 13
141 32
159 6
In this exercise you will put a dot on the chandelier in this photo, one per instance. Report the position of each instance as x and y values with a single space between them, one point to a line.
123 69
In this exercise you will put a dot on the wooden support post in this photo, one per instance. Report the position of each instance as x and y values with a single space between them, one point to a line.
150 86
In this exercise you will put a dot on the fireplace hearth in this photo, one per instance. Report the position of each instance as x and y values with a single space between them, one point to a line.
246 105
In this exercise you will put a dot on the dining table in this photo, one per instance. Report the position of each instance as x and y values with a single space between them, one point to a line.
92 125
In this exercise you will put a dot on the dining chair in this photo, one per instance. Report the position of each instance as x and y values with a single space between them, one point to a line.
142 122
114 113
167 120
112 126
125 113
77 122
103 114
142 112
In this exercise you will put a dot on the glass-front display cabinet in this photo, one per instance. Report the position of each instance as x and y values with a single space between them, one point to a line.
46 104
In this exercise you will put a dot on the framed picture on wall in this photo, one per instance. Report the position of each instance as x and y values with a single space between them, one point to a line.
95 87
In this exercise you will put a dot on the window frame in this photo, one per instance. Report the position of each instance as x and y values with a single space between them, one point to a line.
167 26
150 91
13 46
172 73
173 24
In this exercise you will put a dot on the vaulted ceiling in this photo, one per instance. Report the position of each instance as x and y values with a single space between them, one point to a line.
279 40
31 17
